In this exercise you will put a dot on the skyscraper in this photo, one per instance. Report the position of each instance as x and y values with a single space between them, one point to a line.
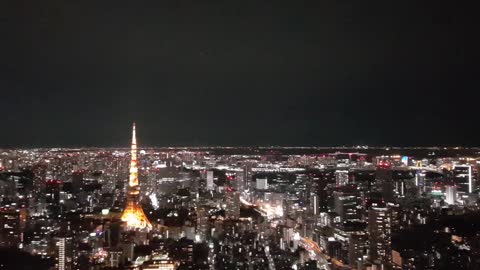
420 181
314 204
357 248
210 184
133 214
9 227
450 194
463 176
341 178
346 204
64 253
384 181
232 209
379 229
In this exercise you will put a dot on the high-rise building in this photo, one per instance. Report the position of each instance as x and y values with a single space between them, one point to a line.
384 181
64 253
334 248
10 235
346 205
450 194
262 183
240 183
420 181
203 224
314 204
341 177
357 248
77 181
210 184
463 177
52 192
379 230
133 214
232 209
247 172
182 250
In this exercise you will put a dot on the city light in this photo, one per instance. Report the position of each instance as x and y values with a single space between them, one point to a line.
341 210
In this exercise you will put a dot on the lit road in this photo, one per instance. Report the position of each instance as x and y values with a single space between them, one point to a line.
271 264
308 244
256 207
315 252
242 200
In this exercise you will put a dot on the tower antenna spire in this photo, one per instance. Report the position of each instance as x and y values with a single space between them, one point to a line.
133 213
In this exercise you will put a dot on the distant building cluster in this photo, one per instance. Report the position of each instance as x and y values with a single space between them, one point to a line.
242 208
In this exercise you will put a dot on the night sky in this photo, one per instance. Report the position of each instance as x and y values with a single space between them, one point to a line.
226 72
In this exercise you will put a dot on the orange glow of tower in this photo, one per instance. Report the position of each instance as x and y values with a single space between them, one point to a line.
133 214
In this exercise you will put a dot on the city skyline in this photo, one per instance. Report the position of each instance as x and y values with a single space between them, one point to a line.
233 208
264 135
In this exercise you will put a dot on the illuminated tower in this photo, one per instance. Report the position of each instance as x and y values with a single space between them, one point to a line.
133 214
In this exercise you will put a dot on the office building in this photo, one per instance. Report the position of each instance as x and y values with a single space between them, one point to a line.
379 230
463 177
262 183
357 248
341 178
10 234
210 184
450 194
64 253
347 204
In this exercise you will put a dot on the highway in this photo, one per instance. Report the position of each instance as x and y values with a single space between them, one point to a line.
315 252
256 207
310 245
